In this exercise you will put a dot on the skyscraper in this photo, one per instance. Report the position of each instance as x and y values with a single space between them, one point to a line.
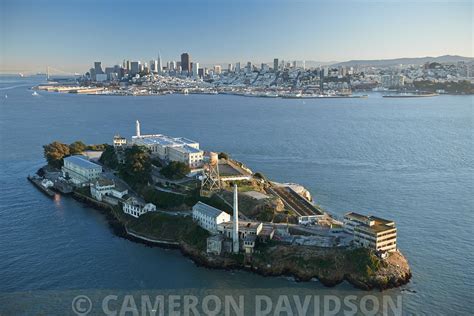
134 68
154 66
237 66
185 62
275 64
98 67
195 69
172 66
159 66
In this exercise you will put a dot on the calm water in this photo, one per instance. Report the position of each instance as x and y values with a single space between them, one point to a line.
410 160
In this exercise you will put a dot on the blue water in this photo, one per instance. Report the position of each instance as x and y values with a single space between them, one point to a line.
410 160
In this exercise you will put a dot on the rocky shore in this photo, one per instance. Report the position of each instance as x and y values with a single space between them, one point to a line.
360 267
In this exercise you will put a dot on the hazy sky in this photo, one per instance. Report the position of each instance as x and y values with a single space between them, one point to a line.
71 34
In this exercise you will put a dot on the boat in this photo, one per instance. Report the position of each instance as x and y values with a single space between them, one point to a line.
35 93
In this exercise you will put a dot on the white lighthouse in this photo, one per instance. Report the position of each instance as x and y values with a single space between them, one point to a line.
235 227
137 128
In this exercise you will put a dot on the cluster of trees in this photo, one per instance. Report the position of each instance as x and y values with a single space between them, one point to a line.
175 170
56 151
460 87
136 170
109 158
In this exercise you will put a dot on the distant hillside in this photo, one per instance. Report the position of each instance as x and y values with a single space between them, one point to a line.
405 61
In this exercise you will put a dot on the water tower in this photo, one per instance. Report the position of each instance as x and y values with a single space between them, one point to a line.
210 179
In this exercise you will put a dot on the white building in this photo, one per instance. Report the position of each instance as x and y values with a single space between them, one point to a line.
105 187
119 141
209 217
371 232
80 170
171 148
136 208
188 155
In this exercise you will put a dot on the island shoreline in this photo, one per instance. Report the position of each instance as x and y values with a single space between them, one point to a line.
119 229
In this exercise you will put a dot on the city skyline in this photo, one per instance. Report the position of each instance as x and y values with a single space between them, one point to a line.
220 33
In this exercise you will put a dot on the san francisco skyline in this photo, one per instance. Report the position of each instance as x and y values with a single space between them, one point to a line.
222 32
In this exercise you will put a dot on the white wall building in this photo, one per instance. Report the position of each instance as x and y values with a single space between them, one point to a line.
371 232
80 170
209 217
190 156
105 187
171 149
136 208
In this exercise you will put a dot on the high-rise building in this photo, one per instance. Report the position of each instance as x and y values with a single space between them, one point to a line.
185 62
159 66
98 68
153 66
275 64
217 69
195 69
237 66
230 68
134 68
248 68
172 66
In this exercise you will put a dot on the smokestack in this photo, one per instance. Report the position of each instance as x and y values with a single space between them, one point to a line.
137 128
235 227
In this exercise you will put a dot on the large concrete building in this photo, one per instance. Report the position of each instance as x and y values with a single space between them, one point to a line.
171 149
185 62
371 232
209 217
79 170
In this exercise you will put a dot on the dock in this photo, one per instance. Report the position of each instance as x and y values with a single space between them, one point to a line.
37 182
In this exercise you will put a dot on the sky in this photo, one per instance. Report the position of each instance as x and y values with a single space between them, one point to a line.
70 35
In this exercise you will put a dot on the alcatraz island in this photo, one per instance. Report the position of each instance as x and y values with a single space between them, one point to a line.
166 191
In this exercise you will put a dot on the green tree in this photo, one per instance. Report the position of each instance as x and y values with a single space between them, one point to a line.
77 147
175 170
55 152
137 168
109 157
96 147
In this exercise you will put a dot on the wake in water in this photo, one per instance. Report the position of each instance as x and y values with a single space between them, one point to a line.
17 86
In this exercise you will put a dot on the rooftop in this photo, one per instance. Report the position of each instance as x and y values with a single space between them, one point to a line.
188 149
186 140
104 182
207 209
82 162
163 140
242 225
357 216
372 223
